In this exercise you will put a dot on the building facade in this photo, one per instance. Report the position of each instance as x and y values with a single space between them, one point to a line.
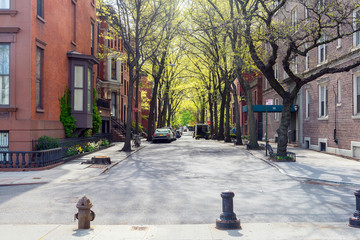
329 107
255 80
45 47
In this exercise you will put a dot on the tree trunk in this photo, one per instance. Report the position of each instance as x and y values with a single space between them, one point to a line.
284 126
222 117
127 145
137 102
253 143
216 118
211 114
152 115
228 115
237 116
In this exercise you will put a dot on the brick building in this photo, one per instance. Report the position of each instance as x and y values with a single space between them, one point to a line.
329 107
255 80
113 82
45 46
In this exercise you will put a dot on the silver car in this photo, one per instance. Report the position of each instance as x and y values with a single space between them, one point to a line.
163 134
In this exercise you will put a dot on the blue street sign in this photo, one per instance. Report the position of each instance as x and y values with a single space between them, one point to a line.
270 108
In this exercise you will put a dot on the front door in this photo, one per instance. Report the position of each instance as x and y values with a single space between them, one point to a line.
4 145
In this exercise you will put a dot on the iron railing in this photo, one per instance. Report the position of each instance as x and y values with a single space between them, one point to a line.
30 159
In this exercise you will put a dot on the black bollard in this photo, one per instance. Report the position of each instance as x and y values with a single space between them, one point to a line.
228 218
355 220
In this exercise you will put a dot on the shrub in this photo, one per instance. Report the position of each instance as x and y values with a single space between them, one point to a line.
233 135
65 114
197 137
104 142
46 142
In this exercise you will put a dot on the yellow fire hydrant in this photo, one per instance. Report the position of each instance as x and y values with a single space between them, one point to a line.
84 215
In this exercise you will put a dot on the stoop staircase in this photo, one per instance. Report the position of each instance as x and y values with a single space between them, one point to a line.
118 130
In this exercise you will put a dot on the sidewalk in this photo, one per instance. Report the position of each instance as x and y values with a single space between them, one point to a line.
312 165
70 171
254 231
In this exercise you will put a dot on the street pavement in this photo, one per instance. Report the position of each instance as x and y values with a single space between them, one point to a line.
311 166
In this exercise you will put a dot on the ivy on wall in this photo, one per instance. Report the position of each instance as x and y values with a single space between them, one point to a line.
67 120
96 114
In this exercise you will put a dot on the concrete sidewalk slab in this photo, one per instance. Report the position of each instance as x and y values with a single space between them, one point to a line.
249 231
316 166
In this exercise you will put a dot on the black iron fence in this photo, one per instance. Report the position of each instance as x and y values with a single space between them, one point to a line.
43 158
30 159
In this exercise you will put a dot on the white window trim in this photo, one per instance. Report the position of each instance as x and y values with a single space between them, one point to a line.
307 58
356 114
276 71
322 84
322 46
294 19
338 93
277 115
7 5
307 104
355 33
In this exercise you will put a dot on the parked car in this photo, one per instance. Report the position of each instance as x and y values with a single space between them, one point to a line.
163 134
178 134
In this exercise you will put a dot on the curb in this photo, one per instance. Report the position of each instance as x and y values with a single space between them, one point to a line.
113 165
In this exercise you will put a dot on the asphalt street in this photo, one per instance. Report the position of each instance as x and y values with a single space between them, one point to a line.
180 183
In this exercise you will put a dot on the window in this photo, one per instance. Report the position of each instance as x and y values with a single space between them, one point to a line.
307 59
92 38
323 100
39 77
339 92
89 91
264 83
285 74
339 39
5 4
73 4
113 104
307 104
356 22
306 9
276 71
294 65
40 8
79 88
357 95
113 68
276 113
294 19
322 50
4 73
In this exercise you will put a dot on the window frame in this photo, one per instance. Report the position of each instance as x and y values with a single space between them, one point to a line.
277 114
307 104
39 78
294 19
8 4
6 101
40 8
356 94
276 71
323 110
323 47
356 35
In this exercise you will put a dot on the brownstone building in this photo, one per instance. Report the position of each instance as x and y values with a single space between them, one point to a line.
45 46
113 82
